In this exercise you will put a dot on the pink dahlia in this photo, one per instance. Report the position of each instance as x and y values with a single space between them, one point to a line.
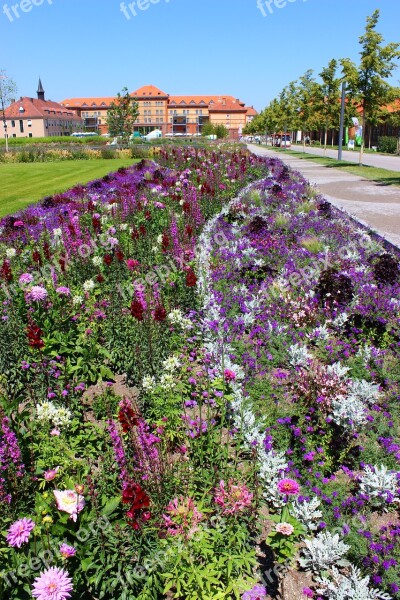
290 487
70 502
52 584
51 474
67 551
284 528
37 293
19 532
25 278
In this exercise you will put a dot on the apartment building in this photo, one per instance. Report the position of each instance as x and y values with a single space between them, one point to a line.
38 117
173 115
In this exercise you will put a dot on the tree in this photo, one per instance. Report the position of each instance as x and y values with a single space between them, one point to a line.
367 83
327 104
8 90
307 94
207 129
221 131
122 116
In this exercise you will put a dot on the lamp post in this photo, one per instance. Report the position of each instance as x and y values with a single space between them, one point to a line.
3 78
340 151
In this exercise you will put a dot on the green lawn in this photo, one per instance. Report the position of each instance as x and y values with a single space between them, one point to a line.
25 183
380 176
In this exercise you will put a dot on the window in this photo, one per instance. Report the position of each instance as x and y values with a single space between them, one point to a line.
30 134
14 135
12 123
21 126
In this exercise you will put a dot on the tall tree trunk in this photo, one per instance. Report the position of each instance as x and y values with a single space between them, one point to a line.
360 158
325 140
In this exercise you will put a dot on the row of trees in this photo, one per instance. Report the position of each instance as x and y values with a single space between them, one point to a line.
309 104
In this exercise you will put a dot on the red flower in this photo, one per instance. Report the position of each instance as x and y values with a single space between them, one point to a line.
35 336
165 242
5 271
191 278
100 278
160 314
137 310
189 230
46 250
36 257
119 255
96 224
135 234
107 259
135 495
142 230
128 418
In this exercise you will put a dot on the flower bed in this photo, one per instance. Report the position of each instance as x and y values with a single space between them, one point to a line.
262 336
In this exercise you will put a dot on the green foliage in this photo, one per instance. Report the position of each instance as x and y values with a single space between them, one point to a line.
387 144
122 116
285 546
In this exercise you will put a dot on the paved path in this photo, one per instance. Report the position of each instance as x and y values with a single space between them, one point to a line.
373 160
374 205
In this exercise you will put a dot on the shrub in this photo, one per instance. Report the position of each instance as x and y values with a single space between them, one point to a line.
387 144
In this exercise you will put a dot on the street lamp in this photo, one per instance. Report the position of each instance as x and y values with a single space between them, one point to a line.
2 78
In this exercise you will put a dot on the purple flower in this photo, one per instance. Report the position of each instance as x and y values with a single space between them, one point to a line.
258 592
63 291
25 279
67 551
37 293
19 532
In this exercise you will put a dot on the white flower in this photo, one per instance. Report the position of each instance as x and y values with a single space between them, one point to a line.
171 363
11 252
149 383
88 285
167 381
112 242
57 232
123 226
96 260
77 300
69 501
159 239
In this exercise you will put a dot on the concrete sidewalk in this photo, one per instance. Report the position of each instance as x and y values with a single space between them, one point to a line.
382 161
374 205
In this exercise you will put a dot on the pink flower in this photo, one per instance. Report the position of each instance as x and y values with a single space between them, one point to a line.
52 584
308 592
70 502
132 264
290 487
25 278
51 474
258 592
67 551
234 499
284 528
55 432
37 293
18 223
19 532
182 517
63 291
229 375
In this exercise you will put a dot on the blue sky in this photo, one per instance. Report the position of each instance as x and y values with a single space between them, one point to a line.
91 48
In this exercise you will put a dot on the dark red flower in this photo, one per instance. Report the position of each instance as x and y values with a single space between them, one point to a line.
191 278
5 271
135 495
46 250
137 310
160 314
142 230
107 259
165 242
135 234
35 336
100 278
36 257
119 255
96 224
189 230
128 418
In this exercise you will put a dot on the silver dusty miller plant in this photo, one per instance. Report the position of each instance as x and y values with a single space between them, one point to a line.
380 484
324 551
307 512
354 587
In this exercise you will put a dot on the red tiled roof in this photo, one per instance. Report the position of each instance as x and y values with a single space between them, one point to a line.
149 90
251 112
34 109
227 106
205 100
88 102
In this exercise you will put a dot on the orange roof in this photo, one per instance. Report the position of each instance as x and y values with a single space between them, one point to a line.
149 90
251 112
205 100
34 109
88 102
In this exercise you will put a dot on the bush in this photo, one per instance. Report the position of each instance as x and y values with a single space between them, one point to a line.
108 153
387 144
141 152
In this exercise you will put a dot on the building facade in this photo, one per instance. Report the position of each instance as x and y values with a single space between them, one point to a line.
38 117
172 115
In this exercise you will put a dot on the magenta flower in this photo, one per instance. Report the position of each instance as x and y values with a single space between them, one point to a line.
67 551
51 474
19 532
18 223
229 375
52 584
63 291
290 487
37 293
308 592
258 592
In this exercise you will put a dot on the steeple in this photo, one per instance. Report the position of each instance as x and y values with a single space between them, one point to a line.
40 91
